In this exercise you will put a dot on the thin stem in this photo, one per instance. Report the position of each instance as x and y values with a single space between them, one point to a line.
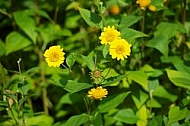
20 107
69 69
143 21
16 121
183 15
103 79
88 108
44 90
143 43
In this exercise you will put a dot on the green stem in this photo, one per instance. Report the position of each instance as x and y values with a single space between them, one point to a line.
183 15
44 90
88 104
16 121
103 79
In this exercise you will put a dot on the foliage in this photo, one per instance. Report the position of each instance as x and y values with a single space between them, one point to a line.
150 86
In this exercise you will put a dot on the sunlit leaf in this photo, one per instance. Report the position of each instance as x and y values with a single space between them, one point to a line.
77 120
139 77
40 120
143 116
15 41
176 114
179 78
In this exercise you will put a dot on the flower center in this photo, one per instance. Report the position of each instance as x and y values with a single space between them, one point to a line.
97 74
109 37
54 57
99 93
119 49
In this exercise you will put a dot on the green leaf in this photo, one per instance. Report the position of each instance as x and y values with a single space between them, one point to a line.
159 42
26 23
176 114
2 48
131 34
111 102
112 80
22 100
92 19
3 74
153 103
161 92
41 120
179 78
153 84
72 86
72 21
126 116
106 50
151 72
169 29
128 21
139 77
33 70
15 42
139 98
77 120
156 121
89 62
4 104
71 58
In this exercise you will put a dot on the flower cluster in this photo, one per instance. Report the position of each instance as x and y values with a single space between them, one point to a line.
119 48
97 93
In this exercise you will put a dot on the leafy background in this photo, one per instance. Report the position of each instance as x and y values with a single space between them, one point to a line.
151 87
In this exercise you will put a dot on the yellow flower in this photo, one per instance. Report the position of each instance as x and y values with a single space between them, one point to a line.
143 3
109 35
97 93
54 56
152 8
120 49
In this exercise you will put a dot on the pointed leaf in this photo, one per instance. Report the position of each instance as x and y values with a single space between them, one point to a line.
89 62
160 43
139 77
26 23
179 78
72 86
15 41
71 58
77 120
92 19
131 34
126 116
176 114
111 102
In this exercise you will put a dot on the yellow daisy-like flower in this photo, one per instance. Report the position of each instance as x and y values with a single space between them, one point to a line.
120 49
97 93
143 3
54 56
109 35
